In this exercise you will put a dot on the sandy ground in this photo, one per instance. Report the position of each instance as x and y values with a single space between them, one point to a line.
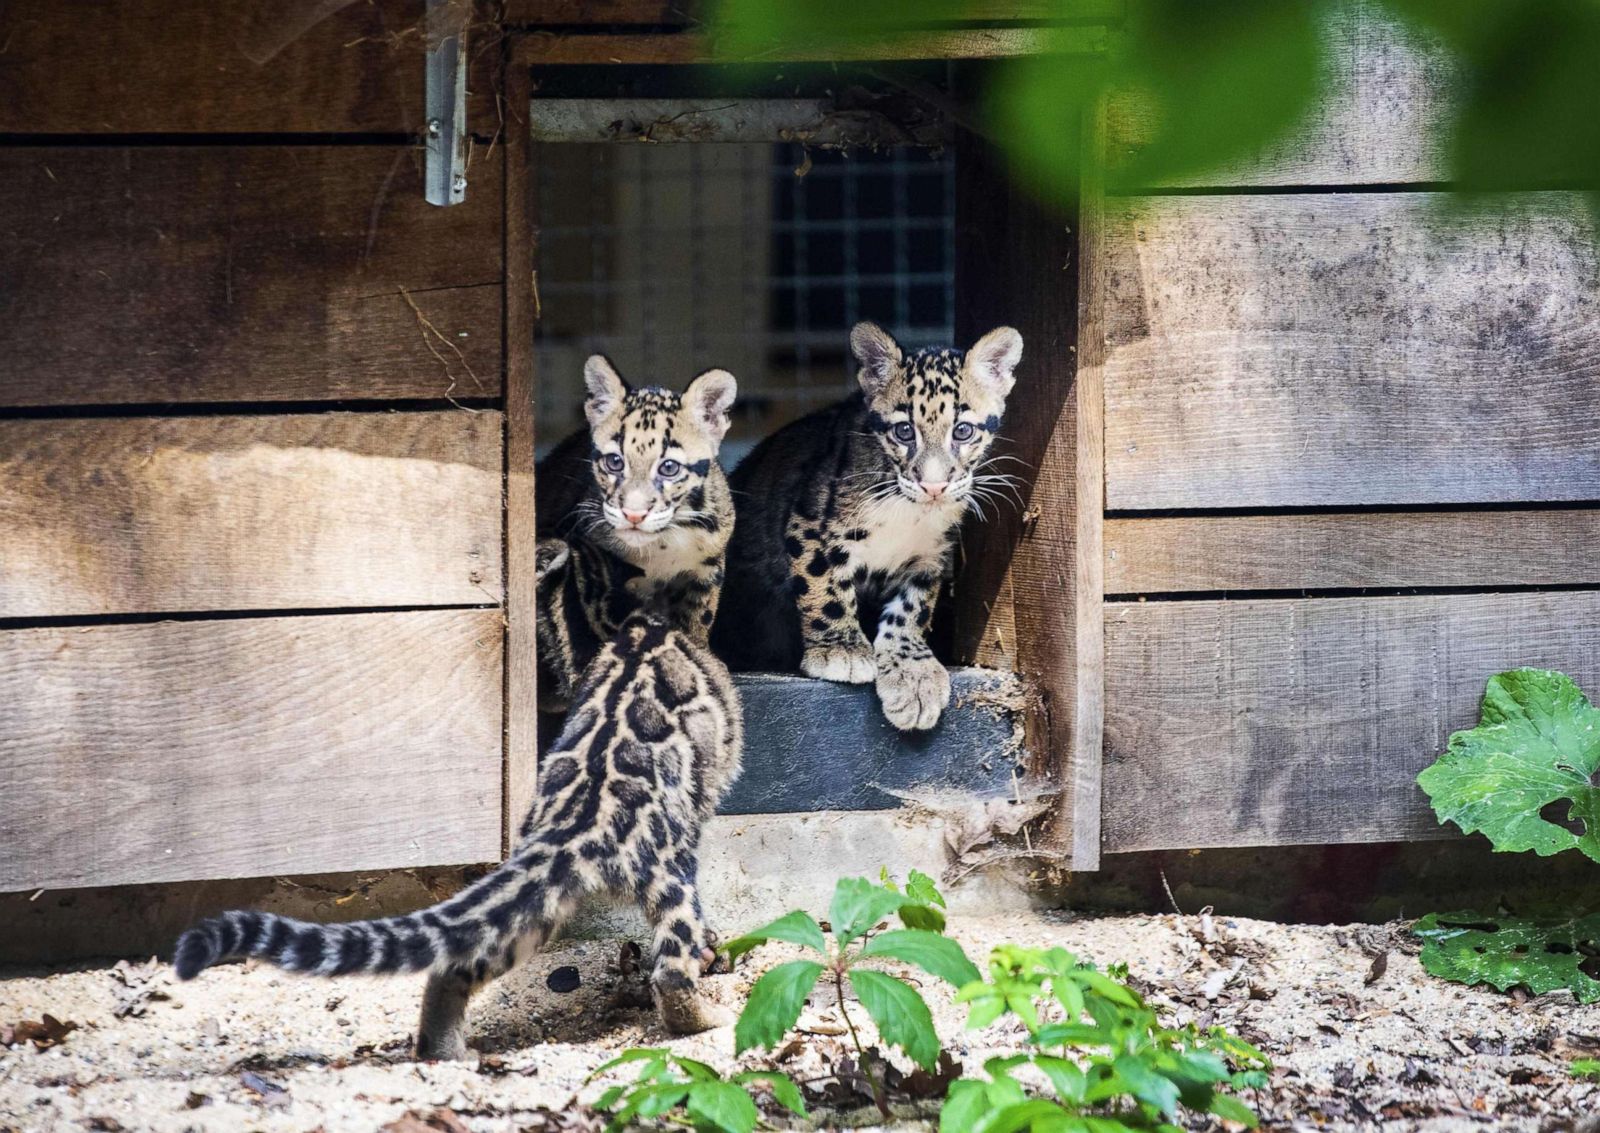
1352 1049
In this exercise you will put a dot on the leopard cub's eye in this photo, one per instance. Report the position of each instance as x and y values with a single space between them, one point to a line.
904 433
669 469
964 431
611 462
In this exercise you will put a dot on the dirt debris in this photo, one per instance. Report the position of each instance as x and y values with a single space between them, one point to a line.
247 1046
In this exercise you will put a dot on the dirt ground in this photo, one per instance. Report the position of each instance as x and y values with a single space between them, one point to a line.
1357 1041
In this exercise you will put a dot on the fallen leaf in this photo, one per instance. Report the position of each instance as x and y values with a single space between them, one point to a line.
440 1120
196 1099
271 1093
43 1034
102 1124
1380 965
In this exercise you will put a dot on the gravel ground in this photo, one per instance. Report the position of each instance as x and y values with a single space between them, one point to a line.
1356 1042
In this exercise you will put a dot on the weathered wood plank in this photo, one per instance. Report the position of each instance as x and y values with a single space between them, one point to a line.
248 747
1280 722
1333 551
675 13
196 66
522 668
337 510
548 48
1351 349
1028 592
814 745
1383 118
159 274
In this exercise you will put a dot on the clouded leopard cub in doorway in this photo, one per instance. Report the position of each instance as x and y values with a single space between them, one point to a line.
848 516
652 743
645 508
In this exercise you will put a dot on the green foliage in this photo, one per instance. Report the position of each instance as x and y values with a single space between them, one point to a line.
1537 743
1507 952
858 906
1220 81
666 1082
1111 1065
1585 1068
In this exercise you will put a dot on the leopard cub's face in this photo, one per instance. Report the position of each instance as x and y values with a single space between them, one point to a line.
652 450
936 413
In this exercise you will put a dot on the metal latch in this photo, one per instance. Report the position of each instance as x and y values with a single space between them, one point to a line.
445 174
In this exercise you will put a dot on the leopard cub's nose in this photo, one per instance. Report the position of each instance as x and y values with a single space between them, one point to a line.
634 518
934 488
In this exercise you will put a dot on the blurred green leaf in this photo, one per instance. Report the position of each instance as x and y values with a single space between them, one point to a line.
775 1003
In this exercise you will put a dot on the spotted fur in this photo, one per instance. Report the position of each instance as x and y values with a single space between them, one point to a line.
646 510
847 519
640 765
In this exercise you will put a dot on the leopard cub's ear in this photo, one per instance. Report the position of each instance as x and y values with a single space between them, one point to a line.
993 360
708 398
606 389
878 353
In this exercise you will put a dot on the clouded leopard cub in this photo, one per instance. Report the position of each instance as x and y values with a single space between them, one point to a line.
652 744
645 508
848 516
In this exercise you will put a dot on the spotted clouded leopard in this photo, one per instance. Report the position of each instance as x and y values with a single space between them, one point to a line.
848 517
652 744
645 507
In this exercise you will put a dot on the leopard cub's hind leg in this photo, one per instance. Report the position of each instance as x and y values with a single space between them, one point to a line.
682 944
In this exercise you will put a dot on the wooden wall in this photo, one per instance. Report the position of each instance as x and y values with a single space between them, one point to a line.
1352 468
251 448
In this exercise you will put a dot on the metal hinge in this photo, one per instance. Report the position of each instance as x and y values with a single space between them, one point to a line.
445 175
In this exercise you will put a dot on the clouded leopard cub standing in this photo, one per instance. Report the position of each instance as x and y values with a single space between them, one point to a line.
848 516
645 508
652 744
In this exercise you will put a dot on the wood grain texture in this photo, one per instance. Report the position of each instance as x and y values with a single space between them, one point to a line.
1025 595
550 48
248 747
1386 105
1291 350
1335 551
815 745
1288 721
196 66
522 669
337 510
673 13
181 274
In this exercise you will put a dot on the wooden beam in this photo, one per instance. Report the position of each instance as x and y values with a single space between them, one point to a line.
309 511
248 747
522 700
676 13
1343 349
199 67
814 745
692 48
244 273
1335 551
1028 592
1289 721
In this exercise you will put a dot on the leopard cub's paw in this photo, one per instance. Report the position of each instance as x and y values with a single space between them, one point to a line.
914 692
848 664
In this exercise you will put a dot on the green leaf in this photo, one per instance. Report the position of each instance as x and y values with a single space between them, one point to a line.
1036 1116
1065 1077
796 928
922 916
774 1004
1232 1109
1507 952
1537 744
964 1106
632 1054
920 887
902 1018
1588 1068
784 1091
697 1071
1145 1084
858 905
937 955
723 1105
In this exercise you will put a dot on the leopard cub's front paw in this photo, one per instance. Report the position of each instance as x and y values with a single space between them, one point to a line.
848 664
914 692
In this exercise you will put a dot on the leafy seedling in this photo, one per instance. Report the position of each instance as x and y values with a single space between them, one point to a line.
895 1007
1110 1064
1533 755
667 1083
1508 952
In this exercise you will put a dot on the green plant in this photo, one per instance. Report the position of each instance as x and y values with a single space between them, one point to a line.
898 1009
1585 1068
1103 1052
1533 754
667 1082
